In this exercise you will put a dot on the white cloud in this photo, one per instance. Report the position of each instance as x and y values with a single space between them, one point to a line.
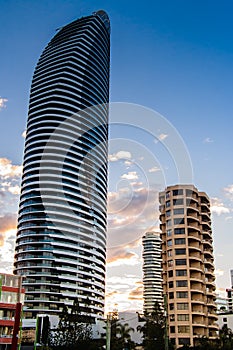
219 272
229 191
208 140
14 189
3 102
160 137
120 155
24 134
154 169
7 169
217 207
132 175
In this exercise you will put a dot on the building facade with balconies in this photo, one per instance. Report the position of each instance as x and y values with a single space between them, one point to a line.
188 264
152 271
61 236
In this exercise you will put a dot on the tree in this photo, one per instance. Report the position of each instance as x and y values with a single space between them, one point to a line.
123 335
74 330
226 338
153 329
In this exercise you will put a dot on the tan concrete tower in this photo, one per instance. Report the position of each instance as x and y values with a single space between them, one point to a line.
187 262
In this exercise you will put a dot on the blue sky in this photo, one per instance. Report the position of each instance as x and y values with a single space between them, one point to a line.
174 57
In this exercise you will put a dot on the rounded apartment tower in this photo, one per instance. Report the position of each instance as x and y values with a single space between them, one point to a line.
152 271
61 238
188 264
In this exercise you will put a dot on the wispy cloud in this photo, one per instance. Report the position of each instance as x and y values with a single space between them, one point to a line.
3 102
137 293
229 192
7 222
208 140
154 169
160 137
131 214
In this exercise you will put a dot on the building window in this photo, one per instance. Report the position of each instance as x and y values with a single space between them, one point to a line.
177 192
183 317
168 213
171 295
170 273
224 319
169 242
169 233
183 329
184 341
179 231
180 262
172 329
169 223
179 241
178 221
182 294
182 306
170 284
179 211
178 201
182 283
167 195
171 306
168 204
181 272
169 253
170 263
180 251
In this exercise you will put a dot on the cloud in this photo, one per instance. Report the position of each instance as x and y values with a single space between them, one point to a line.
7 169
217 207
132 175
7 252
131 214
154 169
137 293
208 140
3 102
7 222
229 192
14 189
126 258
160 137
219 272
120 155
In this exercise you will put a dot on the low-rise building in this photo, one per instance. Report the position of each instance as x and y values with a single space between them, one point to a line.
11 295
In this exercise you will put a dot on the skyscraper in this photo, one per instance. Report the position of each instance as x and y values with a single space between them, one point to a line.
188 264
61 238
152 270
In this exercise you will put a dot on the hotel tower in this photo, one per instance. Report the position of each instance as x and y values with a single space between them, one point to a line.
61 238
188 264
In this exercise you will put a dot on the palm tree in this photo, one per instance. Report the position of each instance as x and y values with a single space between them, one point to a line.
123 336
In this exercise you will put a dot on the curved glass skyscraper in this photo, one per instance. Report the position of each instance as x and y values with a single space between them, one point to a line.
61 238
